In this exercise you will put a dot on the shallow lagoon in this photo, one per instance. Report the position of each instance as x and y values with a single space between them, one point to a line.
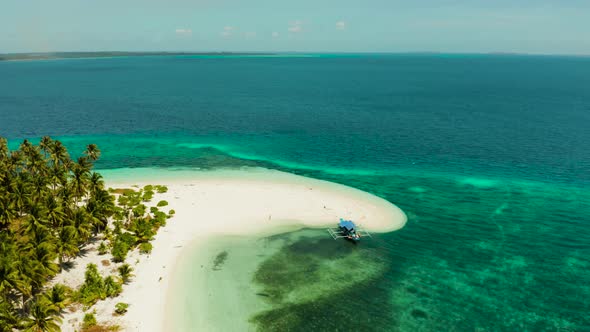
296 280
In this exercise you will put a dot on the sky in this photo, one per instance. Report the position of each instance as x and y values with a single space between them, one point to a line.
456 26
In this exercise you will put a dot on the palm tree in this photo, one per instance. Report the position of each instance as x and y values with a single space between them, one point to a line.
43 318
14 161
19 194
101 206
9 278
46 145
55 214
57 176
79 181
95 183
82 222
57 296
125 271
8 316
39 187
66 244
12 278
59 155
92 152
3 148
35 228
7 211
42 257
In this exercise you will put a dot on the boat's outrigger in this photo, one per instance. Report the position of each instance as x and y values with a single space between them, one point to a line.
347 230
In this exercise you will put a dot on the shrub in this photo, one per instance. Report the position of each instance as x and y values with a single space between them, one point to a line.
119 251
153 209
93 288
102 248
118 227
102 328
139 210
160 218
123 200
171 212
125 271
107 234
127 238
112 287
145 248
121 308
147 196
162 203
161 189
123 243
143 230
89 320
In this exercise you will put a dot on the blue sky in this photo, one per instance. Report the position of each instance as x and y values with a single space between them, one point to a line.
524 26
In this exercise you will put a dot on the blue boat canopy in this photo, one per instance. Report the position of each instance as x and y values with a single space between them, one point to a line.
348 224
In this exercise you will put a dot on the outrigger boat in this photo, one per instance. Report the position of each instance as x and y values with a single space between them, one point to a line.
347 230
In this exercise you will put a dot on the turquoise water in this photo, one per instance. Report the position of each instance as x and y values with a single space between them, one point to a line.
487 155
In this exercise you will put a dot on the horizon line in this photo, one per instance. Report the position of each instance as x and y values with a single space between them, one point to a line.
168 52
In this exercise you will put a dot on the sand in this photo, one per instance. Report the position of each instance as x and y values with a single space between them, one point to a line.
211 203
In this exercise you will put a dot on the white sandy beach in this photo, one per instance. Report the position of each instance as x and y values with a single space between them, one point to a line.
252 201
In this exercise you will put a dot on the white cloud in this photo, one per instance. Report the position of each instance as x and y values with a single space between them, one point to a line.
227 31
340 25
250 34
183 32
295 26
275 34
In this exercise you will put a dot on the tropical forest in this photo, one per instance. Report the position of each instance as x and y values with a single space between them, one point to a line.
52 208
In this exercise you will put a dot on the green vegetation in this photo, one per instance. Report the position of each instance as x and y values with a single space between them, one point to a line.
145 248
93 288
96 288
51 208
161 189
112 287
89 320
121 308
102 328
125 271
102 248
162 203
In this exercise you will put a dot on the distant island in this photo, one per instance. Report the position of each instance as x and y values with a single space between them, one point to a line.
77 55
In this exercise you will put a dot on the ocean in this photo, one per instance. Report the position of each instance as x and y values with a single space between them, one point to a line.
487 155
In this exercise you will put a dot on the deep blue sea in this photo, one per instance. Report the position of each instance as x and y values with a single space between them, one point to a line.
488 155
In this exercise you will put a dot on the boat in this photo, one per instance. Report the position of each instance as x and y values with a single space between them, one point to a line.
347 229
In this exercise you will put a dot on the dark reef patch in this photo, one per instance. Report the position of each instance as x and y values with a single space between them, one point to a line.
419 314
219 260
316 283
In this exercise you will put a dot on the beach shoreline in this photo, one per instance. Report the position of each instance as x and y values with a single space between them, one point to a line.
250 201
